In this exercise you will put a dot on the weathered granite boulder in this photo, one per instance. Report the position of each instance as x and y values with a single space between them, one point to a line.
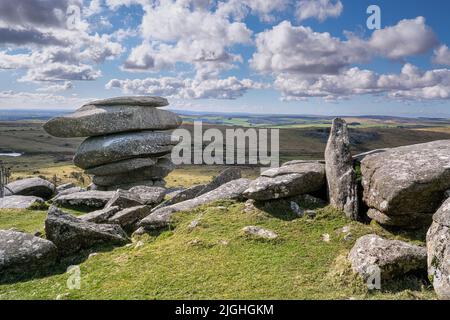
24 253
149 195
123 166
20 202
90 199
99 216
96 151
259 232
341 177
127 186
158 171
71 234
142 101
69 191
93 120
405 186
438 248
128 218
223 177
31 187
287 181
124 199
65 186
161 218
391 257
183 195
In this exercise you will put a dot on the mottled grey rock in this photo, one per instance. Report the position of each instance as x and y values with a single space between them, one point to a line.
183 195
438 249
143 101
31 187
292 162
259 232
99 216
127 186
124 199
96 151
149 195
341 177
123 166
71 234
91 120
69 191
360 157
160 218
405 186
223 177
19 202
392 257
24 253
91 199
128 218
158 171
65 186
287 181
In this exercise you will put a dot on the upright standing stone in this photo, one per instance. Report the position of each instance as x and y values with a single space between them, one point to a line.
341 177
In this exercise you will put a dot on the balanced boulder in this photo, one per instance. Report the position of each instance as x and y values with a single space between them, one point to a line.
24 253
372 254
92 120
123 166
71 234
438 247
37 187
405 186
341 177
287 181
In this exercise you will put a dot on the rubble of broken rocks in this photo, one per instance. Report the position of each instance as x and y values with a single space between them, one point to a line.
404 188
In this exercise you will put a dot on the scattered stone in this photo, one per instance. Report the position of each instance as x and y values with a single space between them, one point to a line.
92 120
100 216
160 218
404 186
139 232
194 224
71 234
223 177
249 206
20 202
69 191
96 151
24 253
260 232
341 177
297 210
348 237
93 254
124 199
438 249
311 214
65 186
391 257
36 187
145 183
287 181
223 242
149 195
128 218
181 196
91 199
139 244
326 237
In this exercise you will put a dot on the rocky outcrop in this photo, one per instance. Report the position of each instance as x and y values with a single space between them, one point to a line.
36 187
24 253
438 247
20 202
391 258
100 216
71 234
90 199
287 181
149 195
128 218
160 218
124 199
341 177
126 146
405 186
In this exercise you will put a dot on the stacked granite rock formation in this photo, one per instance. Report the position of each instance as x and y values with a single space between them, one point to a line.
126 144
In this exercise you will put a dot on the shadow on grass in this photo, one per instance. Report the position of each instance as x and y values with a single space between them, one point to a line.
11 277
414 282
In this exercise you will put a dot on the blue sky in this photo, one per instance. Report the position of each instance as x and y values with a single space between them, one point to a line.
277 56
